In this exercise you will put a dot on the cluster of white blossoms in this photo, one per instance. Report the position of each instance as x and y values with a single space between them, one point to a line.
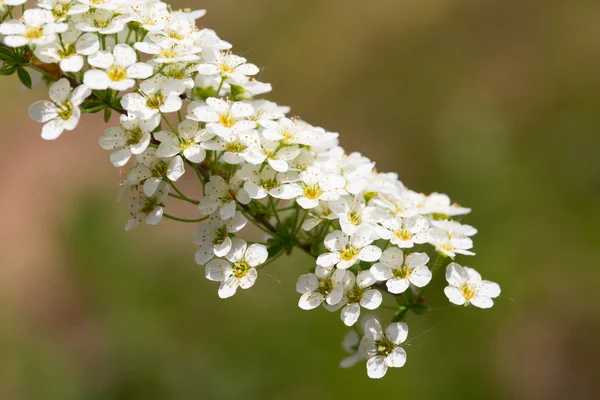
188 105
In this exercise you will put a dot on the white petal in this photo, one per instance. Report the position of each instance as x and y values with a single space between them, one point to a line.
310 300
397 286
455 275
328 260
228 287
373 330
256 254
139 71
376 367
124 55
248 280
396 358
307 283
397 332
218 270
101 59
482 301
52 129
454 295
350 314
489 289
370 253
336 241
414 260
96 79
371 299
420 276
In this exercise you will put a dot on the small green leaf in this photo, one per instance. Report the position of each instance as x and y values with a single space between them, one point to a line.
107 114
24 77
92 107
8 70
6 54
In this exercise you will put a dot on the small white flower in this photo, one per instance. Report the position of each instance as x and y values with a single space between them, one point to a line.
325 285
261 182
36 28
466 287
98 20
383 350
147 208
449 244
239 268
69 51
62 112
61 9
117 70
400 272
152 16
156 95
317 186
229 66
345 250
152 170
187 141
454 228
317 215
277 156
352 212
213 236
404 232
211 44
219 195
438 203
224 118
291 131
166 51
357 294
133 137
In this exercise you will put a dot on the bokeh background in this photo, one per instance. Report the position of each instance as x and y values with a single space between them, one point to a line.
495 102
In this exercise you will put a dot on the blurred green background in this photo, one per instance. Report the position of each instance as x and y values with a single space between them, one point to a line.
494 102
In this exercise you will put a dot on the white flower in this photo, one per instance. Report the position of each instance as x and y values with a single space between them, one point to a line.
317 186
156 95
437 203
147 208
357 294
454 228
345 250
133 137
449 244
219 195
62 112
97 20
118 70
383 350
36 28
61 9
104 4
352 212
213 236
211 44
263 181
152 170
317 215
224 118
325 285
400 272
466 287
166 50
229 66
152 16
404 232
276 155
291 131
187 141
70 50
239 270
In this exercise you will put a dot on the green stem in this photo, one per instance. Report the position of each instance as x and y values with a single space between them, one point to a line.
182 196
184 219
220 87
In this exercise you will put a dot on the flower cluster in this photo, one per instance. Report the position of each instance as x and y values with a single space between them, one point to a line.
188 105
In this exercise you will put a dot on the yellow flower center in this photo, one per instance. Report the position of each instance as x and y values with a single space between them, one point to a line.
226 69
467 292
33 33
312 192
403 235
134 136
235 147
348 253
354 218
155 101
226 120
240 269
116 73
65 110
167 53
402 273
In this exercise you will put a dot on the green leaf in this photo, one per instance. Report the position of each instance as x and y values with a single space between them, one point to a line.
24 77
8 70
107 114
92 107
6 55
